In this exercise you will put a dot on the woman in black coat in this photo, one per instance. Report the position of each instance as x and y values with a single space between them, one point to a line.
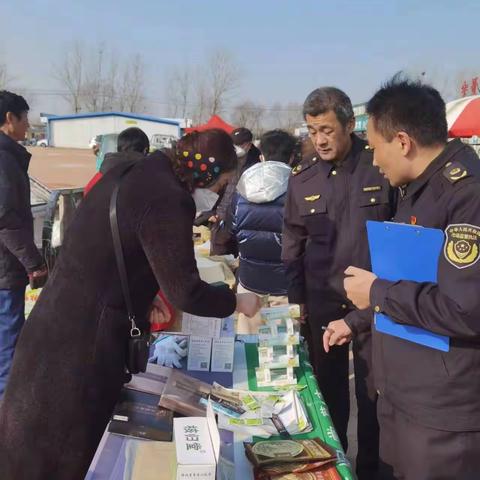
69 365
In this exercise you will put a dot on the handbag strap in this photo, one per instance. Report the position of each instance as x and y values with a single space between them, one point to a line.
117 246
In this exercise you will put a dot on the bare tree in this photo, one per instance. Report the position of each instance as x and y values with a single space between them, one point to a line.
201 110
110 86
287 117
223 78
179 91
92 90
134 85
4 77
250 115
70 73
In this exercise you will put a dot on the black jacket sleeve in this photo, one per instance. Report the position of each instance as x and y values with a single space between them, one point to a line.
359 321
16 229
450 307
166 238
294 240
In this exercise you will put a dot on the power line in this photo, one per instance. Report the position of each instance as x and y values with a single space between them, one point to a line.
260 108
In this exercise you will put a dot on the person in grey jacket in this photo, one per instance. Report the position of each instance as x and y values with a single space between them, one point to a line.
19 257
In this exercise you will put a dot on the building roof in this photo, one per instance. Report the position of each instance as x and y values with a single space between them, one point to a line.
114 114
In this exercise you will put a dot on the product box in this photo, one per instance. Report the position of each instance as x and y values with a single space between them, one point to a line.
199 353
197 446
222 354
278 356
275 377
137 414
201 326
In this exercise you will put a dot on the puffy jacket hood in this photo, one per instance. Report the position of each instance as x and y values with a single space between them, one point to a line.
264 182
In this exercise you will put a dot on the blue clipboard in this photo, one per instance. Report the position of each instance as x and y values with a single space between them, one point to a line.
406 252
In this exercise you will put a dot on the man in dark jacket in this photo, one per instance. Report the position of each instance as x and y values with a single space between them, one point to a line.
329 199
429 402
257 221
18 254
247 152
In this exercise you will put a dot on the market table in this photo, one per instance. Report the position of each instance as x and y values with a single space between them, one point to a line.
115 455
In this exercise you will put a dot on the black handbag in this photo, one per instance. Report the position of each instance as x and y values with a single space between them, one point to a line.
138 348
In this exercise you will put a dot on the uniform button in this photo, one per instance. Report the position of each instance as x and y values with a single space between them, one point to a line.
334 172
377 309
372 200
312 210
344 306
314 159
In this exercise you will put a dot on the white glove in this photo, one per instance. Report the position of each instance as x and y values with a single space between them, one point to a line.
169 350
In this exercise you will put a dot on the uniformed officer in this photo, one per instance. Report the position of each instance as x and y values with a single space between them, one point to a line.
330 197
429 400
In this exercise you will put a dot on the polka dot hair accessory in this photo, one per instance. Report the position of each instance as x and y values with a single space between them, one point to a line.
205 169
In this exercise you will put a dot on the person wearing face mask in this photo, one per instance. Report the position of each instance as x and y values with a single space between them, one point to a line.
69 365
247 152
330 196
248 155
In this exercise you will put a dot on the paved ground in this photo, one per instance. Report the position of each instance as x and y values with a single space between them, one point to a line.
62 167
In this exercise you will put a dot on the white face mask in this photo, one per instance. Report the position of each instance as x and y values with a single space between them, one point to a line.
240 151
204 199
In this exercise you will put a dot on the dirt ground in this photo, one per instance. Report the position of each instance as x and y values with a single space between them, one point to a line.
62 167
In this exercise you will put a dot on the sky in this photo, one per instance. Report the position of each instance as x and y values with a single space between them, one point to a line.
284 48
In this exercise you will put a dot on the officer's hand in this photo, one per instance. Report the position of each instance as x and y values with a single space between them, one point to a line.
248 304
357 284
337 333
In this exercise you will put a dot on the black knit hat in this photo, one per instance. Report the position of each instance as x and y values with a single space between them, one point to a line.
241 135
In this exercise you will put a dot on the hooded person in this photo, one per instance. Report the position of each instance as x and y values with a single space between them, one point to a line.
257 221
70 363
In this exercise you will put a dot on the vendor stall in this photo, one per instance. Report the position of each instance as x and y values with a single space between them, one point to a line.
127 458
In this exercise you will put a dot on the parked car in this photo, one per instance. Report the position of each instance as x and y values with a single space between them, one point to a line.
42 143
159 141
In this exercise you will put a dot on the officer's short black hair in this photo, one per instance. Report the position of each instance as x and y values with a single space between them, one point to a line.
406 105
133 139
242 135
326 99
11 102
278 146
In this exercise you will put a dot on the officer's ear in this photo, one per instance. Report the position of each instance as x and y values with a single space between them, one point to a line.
404 142
350 126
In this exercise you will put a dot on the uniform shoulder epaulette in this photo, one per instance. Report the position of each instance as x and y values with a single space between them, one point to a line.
455 171
304 165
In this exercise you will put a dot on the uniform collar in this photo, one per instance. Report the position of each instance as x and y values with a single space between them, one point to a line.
349 162
450 150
